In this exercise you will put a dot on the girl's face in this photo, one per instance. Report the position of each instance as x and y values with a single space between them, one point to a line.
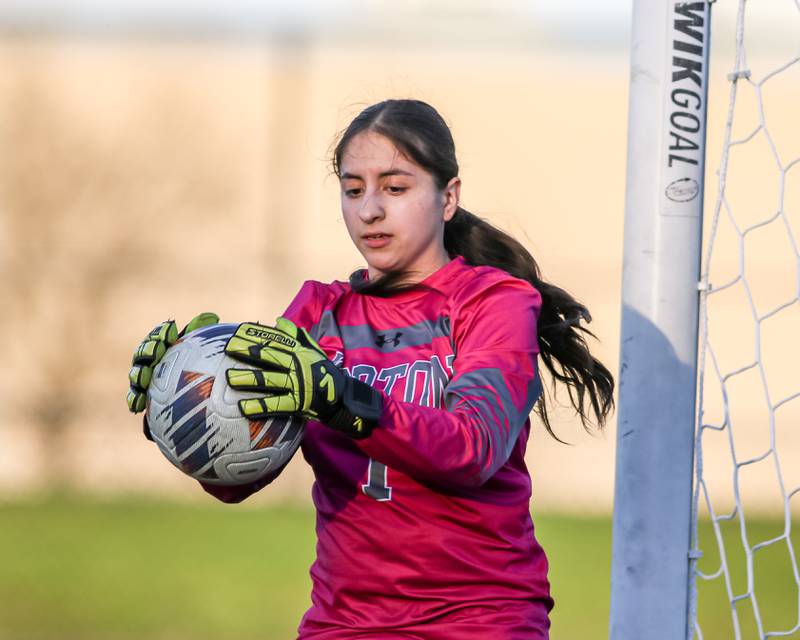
393 210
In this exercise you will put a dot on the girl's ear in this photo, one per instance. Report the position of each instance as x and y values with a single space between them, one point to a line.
452 197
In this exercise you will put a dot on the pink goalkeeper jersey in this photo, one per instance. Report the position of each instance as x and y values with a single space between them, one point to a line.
424 529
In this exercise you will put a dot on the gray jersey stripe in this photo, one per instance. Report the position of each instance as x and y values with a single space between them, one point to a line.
483 383
387 340
325 327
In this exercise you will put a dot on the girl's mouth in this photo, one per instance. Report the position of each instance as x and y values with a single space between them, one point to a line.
377 240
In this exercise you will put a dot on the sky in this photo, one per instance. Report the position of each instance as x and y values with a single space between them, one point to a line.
568 24
571 19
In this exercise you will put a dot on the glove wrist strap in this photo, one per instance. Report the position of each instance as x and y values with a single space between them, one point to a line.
359 411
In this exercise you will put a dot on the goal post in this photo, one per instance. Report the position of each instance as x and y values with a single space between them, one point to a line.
660 292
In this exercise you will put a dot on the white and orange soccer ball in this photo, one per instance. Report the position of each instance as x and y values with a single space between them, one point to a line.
195 421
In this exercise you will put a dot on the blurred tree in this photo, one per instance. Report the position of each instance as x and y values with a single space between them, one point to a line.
86 213
287 147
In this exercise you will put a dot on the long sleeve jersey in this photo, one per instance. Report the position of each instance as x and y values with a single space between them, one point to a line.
424 528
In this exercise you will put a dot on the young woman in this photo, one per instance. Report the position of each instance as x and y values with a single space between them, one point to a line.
418 377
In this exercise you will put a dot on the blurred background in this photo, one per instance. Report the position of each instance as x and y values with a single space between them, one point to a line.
161 160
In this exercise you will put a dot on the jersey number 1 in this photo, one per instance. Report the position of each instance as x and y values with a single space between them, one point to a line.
377 486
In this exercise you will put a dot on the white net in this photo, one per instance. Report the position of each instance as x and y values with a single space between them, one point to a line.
747 485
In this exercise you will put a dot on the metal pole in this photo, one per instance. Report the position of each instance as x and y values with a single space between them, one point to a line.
658 358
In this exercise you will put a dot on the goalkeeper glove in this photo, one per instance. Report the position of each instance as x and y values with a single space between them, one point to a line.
149 353
298 377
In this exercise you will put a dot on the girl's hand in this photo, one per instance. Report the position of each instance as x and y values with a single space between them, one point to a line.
297 377
150 351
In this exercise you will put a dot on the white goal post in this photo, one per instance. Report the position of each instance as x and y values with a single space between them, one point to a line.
661 274
714 554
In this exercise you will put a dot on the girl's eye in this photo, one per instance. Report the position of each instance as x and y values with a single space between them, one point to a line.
394 189
351 193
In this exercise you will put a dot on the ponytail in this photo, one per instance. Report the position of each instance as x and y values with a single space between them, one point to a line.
562 346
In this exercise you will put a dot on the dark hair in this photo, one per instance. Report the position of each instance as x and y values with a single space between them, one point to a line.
418 131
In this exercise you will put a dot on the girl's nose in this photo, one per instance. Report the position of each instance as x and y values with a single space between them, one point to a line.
371 209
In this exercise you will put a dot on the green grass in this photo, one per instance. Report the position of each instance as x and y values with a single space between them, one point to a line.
78 568
73 568
774 583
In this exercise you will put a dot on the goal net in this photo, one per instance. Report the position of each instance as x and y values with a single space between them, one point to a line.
744 566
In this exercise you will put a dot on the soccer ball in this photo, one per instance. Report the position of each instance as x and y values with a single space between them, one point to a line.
194 418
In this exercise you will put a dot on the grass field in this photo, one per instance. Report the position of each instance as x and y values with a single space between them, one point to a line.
78 568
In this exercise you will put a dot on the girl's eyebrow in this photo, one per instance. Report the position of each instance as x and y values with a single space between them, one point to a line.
391 172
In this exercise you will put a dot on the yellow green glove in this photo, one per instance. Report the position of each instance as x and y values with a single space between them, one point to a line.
298 378
149 353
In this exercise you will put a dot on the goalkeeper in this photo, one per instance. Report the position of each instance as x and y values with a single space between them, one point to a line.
417 376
